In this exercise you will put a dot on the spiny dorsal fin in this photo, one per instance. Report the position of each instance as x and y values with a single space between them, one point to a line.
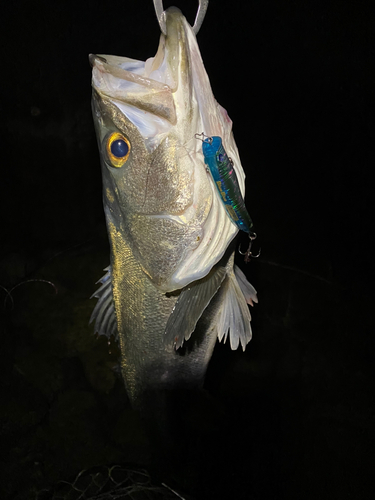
104 311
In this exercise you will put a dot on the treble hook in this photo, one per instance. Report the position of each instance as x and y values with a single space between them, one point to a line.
248 255
159 9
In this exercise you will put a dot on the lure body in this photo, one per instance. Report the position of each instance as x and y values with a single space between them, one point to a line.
225 179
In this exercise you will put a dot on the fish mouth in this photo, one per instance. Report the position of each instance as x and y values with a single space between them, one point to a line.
162 85
169 97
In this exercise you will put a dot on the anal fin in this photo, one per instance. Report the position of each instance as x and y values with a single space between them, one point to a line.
247 288
234 315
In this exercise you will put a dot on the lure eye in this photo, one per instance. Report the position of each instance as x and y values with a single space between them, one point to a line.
118 149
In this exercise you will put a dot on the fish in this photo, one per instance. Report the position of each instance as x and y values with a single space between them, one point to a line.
172 288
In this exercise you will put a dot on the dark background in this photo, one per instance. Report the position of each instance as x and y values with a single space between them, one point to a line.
295 415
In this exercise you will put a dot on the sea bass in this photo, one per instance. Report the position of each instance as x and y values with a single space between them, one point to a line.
172 287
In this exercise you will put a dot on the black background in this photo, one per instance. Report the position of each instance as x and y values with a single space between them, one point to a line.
298 81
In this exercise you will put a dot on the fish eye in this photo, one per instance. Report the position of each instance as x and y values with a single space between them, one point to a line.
118 149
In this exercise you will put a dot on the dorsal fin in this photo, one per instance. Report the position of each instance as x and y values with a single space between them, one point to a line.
104 311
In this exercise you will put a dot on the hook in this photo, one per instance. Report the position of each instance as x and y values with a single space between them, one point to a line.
248 255
159 9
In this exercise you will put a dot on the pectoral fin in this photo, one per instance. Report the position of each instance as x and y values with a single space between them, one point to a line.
190 306
104 311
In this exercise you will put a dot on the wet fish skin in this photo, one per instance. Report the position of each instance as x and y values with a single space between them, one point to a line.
167 229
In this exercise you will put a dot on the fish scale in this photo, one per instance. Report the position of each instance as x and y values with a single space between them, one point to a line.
174 286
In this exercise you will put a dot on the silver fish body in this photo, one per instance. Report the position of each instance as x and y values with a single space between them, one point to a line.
172 288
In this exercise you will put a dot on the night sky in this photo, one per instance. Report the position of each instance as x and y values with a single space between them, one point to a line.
297 78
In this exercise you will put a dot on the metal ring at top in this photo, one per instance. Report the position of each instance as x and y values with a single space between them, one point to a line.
159 9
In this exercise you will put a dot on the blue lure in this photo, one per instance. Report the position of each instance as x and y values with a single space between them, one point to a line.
226 182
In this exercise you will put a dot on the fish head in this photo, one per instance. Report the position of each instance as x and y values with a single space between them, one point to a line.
157 193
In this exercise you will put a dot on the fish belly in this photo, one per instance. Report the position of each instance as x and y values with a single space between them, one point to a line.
147 363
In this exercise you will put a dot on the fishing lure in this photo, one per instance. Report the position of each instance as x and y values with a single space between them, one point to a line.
220 165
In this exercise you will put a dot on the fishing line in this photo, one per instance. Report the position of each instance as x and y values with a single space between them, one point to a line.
9 292
295 270
189 151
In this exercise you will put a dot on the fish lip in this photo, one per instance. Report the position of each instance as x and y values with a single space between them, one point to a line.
199 18
150 95
94 57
